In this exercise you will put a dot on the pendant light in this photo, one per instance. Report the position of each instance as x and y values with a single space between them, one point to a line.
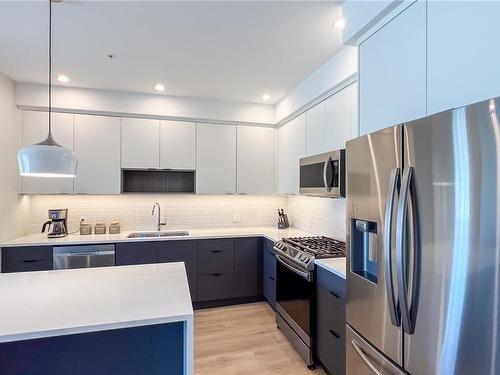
47 158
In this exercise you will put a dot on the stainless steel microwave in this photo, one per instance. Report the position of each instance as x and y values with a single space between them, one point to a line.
323 175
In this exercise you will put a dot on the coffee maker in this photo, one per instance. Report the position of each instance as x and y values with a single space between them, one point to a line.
58 223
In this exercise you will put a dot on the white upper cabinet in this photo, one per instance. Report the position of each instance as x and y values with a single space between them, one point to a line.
283 158
463 53
35 129
178 145
298 138
354 111
292 143
140 143
316 129
392 75
216 159
255 156
97 144
341 121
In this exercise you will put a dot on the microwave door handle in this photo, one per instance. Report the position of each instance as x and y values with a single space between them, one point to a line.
389 210
325 172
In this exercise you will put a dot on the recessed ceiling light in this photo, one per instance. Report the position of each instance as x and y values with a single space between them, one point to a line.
62 78
266 96
339 24
159 87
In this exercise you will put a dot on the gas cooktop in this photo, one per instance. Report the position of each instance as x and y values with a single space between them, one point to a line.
303 250
319 247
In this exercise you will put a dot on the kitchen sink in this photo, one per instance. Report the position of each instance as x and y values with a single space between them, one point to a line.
170 233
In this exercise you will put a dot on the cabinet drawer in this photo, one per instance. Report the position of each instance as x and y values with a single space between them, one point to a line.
330 310
27 265
216 286
331 281
20 254
215 256
331 351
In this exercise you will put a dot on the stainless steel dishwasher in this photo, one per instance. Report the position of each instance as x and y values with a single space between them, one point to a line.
83 256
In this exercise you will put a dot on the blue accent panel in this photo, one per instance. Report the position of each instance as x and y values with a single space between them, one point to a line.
152 350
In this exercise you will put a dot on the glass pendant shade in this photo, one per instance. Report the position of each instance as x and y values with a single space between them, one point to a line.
47 159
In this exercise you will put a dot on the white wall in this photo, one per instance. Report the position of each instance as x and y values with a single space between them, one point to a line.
14 209
320 216
108 102
340 68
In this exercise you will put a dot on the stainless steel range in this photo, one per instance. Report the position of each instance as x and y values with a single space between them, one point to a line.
295 289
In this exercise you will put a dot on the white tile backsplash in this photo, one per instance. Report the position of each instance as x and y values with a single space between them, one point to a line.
180 211
320 216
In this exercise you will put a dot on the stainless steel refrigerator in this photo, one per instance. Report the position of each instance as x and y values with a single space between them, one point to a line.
423 276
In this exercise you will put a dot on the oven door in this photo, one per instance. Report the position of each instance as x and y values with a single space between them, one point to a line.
322 175
294 297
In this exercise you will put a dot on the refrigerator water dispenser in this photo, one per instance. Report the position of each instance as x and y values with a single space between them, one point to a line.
363 249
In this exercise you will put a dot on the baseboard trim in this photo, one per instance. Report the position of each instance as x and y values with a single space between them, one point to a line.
226 302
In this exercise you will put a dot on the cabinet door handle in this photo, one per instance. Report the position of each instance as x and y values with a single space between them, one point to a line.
333 333
216 251
272 278
216 274
30 261
334 294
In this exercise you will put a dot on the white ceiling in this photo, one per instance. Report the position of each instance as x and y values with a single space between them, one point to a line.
226 50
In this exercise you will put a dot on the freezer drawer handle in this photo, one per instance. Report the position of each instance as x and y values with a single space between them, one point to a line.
408 311
389 285
363 356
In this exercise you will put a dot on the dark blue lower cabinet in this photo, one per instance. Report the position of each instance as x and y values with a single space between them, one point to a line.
152 350
130 253
182 251
247 267
330 321
27 258
269 273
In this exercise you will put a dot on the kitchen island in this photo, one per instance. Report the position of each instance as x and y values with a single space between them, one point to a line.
112 320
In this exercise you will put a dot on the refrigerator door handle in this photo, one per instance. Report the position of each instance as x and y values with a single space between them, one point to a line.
389 285
364 357
407 311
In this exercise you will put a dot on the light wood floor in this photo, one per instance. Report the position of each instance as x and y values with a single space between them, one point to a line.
243 340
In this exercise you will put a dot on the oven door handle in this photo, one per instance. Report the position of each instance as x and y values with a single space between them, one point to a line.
304 274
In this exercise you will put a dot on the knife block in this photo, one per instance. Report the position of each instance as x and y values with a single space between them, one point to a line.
284 224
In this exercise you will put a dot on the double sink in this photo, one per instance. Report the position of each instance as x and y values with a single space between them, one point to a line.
170 233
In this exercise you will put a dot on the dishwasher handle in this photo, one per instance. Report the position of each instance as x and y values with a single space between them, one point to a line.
83 256
85 253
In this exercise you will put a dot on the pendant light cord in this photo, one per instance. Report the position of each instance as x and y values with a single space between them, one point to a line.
50 70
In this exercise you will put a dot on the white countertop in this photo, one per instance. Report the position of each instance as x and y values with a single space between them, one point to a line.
335 265
272 233
53 303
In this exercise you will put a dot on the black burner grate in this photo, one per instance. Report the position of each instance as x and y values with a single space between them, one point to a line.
319 247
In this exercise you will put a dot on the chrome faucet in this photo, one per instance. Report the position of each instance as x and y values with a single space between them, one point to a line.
160 223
